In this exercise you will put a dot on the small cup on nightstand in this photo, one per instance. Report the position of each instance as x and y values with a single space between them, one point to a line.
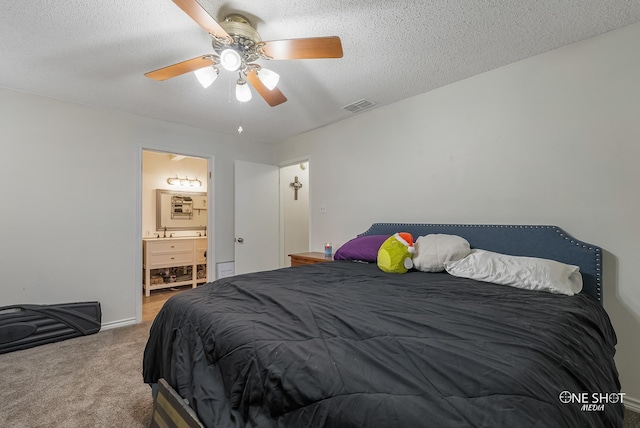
327 249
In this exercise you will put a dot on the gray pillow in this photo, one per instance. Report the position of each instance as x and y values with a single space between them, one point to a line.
433 250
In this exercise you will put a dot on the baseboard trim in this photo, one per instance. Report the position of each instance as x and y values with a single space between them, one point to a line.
632 404
119 323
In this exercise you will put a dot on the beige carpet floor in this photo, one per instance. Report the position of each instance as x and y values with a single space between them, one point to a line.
93 381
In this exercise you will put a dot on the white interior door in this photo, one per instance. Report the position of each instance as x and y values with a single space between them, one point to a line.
257 217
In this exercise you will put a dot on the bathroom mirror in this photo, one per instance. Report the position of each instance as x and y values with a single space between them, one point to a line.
176 210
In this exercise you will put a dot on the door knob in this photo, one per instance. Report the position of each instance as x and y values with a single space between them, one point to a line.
239 240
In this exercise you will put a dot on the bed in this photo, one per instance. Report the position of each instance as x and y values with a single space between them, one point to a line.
344 344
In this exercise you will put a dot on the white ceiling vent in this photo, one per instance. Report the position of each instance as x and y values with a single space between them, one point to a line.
358 106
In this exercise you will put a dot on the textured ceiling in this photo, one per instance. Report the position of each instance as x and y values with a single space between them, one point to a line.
96 52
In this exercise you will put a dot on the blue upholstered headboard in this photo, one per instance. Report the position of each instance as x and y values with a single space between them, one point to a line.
548 242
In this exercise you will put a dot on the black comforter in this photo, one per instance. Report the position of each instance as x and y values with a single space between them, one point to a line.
345 345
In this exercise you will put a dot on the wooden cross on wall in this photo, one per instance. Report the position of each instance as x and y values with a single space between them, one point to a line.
296 186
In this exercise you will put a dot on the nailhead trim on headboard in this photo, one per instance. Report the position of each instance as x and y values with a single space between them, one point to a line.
598 258
595 263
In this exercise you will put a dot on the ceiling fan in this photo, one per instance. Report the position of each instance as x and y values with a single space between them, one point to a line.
237 45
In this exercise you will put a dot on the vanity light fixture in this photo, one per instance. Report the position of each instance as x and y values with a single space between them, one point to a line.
184 182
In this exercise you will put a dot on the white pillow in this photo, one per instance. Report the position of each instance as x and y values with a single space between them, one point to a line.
435 249
530 273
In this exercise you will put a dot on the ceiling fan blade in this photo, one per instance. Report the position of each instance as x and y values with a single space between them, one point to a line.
314 47
179 68
273 97
202 17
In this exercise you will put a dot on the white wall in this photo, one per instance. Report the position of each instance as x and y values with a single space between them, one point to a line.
71 177
553 139
294 213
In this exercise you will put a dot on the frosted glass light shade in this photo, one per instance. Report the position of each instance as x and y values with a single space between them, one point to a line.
206 76
269 78
243 93
230 59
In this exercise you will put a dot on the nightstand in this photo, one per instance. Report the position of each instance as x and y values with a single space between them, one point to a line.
300 259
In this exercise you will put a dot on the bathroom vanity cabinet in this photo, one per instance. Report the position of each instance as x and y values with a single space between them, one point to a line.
173 262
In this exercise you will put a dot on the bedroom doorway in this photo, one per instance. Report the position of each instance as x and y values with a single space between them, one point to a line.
294 206
182 183
279 197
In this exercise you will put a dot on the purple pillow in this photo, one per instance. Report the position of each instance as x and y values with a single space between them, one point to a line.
363 248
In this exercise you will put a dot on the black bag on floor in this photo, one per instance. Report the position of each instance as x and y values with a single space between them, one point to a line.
26 326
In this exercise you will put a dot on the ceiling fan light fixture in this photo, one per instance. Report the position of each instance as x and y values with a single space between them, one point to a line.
206 76
237 44
269 78
243 93
230 59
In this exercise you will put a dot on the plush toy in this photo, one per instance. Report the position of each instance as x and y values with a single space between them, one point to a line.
394 255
